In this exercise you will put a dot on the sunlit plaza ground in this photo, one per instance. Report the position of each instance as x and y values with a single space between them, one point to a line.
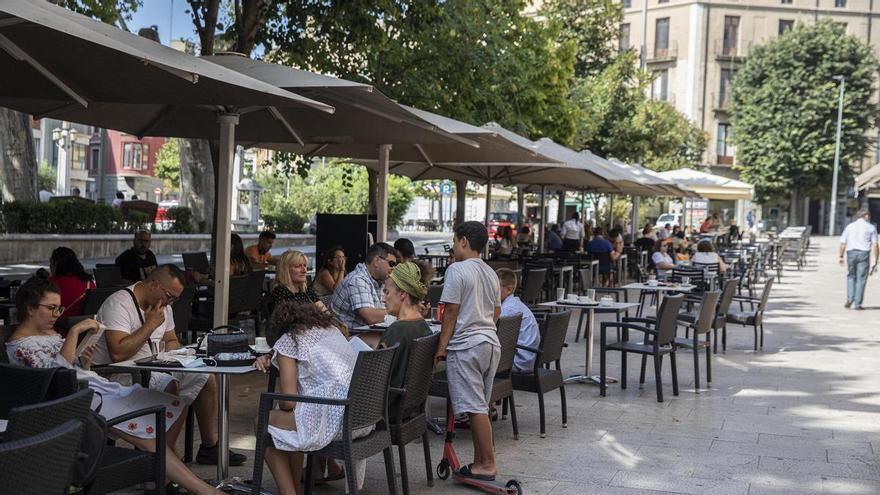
801 417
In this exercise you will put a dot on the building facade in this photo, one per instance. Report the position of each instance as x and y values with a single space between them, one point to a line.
695 47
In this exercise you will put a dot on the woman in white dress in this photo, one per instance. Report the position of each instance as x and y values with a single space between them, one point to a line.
35 344
313 358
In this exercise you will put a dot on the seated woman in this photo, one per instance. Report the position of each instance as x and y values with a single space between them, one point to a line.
682 252
239 264
403 293
505 243
313 358
706 255
524 237
661 259
291 280
331 273
72 280
35 344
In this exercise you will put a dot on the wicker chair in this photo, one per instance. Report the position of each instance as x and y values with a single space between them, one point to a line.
20 386
659 340
753 317
408 418
542 379
365 406
502 387
41 464
701 325
117 467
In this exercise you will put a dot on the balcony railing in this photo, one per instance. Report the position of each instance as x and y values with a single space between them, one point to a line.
722 102
663 54
724 51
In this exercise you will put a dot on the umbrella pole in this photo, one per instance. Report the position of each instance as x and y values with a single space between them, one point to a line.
488 212
382 194
227 122
636 201
543 221
610 212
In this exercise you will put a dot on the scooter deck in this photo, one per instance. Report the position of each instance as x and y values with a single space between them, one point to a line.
487 486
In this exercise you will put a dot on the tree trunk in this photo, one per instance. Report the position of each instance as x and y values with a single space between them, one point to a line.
18 160
197 181
460 200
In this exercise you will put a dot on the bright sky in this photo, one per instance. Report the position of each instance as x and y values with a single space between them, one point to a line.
167 15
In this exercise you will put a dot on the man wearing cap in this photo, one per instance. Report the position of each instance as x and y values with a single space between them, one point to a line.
858 240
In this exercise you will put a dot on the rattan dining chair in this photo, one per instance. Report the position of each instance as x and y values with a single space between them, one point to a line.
365 406
41 464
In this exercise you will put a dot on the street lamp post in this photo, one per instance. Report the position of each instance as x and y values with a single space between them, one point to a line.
64 138
832 220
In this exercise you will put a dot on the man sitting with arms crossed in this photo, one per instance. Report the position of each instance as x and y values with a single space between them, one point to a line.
529 335
358 299
137 318
469 341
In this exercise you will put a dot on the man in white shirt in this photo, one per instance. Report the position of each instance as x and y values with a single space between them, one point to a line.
858 240
572 233
138 318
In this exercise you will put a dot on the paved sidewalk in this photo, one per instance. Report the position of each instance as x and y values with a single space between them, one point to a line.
801 417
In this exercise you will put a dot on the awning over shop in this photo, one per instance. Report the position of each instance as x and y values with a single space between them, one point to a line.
868 178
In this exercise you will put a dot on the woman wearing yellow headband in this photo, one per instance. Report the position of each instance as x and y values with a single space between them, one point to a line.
404 291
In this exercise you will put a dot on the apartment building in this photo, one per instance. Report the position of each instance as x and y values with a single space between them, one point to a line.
694 48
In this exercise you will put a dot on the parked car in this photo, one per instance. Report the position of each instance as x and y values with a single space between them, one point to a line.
162 210
502 219
670 218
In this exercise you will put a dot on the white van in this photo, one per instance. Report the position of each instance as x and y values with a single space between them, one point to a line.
670 218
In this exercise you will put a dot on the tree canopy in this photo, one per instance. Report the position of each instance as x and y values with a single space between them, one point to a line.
785 110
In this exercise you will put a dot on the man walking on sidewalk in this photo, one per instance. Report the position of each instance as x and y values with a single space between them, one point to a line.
858 240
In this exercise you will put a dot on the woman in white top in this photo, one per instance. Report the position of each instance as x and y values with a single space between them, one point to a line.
35 344
662 261
314 359
706 255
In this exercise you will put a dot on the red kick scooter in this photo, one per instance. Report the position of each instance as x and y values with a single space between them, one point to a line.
450 464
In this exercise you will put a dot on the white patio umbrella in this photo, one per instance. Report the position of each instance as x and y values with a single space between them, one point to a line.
710 186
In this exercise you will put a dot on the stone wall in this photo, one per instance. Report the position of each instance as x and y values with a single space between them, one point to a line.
34 248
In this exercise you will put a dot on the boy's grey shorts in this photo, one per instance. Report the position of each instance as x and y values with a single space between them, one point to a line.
470 373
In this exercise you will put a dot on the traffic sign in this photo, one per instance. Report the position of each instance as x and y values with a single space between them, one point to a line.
157 191
446 188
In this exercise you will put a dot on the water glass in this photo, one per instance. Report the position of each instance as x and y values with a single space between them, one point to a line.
13 290
435 314
685 281
560 294
591 294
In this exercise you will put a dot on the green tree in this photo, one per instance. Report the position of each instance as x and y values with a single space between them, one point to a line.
168 163
785 110
594 27
109 11
618 119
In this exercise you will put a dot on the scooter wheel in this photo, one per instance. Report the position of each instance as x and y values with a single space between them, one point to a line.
443 469
513 486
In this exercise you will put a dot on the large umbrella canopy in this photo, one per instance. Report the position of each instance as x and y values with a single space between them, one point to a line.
64 65
625 179
868 178
364 116
654 179
429 161
710 186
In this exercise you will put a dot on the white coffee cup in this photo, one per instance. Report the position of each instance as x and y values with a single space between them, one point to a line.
573 297
606 301
261 343
653 283
560 294
583 299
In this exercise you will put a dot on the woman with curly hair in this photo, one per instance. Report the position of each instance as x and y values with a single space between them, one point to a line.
313 358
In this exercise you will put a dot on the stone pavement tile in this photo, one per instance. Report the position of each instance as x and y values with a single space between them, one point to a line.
580 469
584 489
675 419
853 456
806 442
708 433
658 480
843 486
779 428
662 440
843 470
661 456
772 485
815 453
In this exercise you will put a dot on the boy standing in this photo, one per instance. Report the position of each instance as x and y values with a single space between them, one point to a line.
469 341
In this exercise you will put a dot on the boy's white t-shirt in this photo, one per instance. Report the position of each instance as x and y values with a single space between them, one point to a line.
474 286
119 313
